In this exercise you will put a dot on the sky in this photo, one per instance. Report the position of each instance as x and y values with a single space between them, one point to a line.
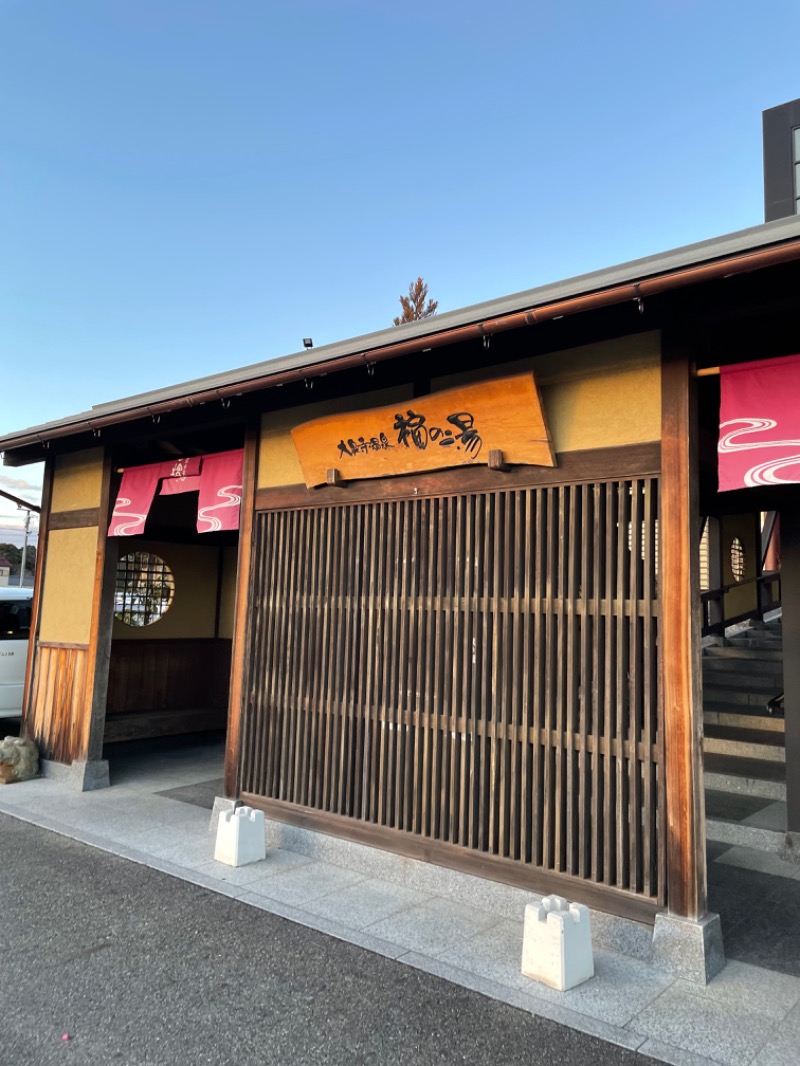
189 186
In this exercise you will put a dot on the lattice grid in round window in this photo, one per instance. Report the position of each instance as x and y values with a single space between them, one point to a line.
144 589
737 559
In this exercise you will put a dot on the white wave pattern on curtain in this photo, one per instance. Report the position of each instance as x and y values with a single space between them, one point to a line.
759 423
220 492
764 473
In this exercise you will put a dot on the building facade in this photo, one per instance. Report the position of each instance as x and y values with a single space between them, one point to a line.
494 664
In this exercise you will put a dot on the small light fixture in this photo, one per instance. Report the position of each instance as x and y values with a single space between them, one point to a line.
307 342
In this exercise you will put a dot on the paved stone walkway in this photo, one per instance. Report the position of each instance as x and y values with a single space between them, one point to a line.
434 921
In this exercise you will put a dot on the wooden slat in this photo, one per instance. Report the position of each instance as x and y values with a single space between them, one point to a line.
474 671
180 674
56 720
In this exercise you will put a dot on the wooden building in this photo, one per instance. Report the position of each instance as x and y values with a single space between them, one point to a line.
492 666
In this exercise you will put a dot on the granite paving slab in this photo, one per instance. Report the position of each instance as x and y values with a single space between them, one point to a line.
305 882
199 795
364 903
433 927
703 1025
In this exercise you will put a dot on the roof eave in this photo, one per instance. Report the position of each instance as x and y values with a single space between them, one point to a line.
745 250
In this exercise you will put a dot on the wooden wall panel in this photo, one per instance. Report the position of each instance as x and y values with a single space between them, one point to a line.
467 671
57 717
157 675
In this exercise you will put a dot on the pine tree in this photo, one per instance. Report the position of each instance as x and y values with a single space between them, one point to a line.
414 306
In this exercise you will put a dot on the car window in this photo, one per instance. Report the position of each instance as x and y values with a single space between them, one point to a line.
15 619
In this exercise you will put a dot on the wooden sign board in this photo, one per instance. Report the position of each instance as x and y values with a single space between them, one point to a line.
457 427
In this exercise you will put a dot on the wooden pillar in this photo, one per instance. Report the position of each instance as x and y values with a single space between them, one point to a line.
99 652
241 617
790 599
680 637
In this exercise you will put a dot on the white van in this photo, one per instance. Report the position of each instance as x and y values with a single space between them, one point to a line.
15 625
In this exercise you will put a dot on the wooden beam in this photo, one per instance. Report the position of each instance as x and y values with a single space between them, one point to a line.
242 612
596 464
790 597
680 637
465 860
86 516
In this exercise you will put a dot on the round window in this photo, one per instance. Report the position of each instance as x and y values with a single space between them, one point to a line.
144 590
737 559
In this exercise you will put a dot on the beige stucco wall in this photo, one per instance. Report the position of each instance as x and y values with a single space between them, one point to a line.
597 396
191 614
69 585
227 605
77 480
277 460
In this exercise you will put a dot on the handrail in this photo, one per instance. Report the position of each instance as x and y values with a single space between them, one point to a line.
717 595
719 592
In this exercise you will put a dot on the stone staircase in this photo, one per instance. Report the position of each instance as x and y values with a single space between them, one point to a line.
744 753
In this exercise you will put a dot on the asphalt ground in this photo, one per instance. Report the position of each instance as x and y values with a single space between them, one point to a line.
137 967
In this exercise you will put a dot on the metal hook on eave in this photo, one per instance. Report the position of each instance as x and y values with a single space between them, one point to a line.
638 297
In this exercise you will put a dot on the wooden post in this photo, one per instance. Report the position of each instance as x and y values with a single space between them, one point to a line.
790 598
99 653
241 625
680 638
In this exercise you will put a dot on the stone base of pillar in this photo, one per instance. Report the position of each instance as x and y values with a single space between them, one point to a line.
221 803
689 948
83 775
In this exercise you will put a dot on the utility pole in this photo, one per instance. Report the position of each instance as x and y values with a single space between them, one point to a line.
24 547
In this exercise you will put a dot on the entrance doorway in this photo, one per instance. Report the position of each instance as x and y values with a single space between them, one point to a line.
169 596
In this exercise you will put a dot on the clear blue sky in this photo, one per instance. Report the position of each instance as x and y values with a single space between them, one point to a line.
188 186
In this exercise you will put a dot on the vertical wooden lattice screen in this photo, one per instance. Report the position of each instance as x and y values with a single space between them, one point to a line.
476 670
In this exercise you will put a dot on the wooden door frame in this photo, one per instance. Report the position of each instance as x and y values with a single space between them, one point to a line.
687 892
233 739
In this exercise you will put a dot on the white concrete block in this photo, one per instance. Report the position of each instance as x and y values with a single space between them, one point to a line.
240 837
557 943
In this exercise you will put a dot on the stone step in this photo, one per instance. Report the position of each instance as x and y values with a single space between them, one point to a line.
745 743
716 695
741 669
771 626
750 777
732 652
765 641
748 836
740 718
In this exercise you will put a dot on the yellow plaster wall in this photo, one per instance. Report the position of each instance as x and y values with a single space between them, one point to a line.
277 459
77 480
227 605
596 396
193 607
69 585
